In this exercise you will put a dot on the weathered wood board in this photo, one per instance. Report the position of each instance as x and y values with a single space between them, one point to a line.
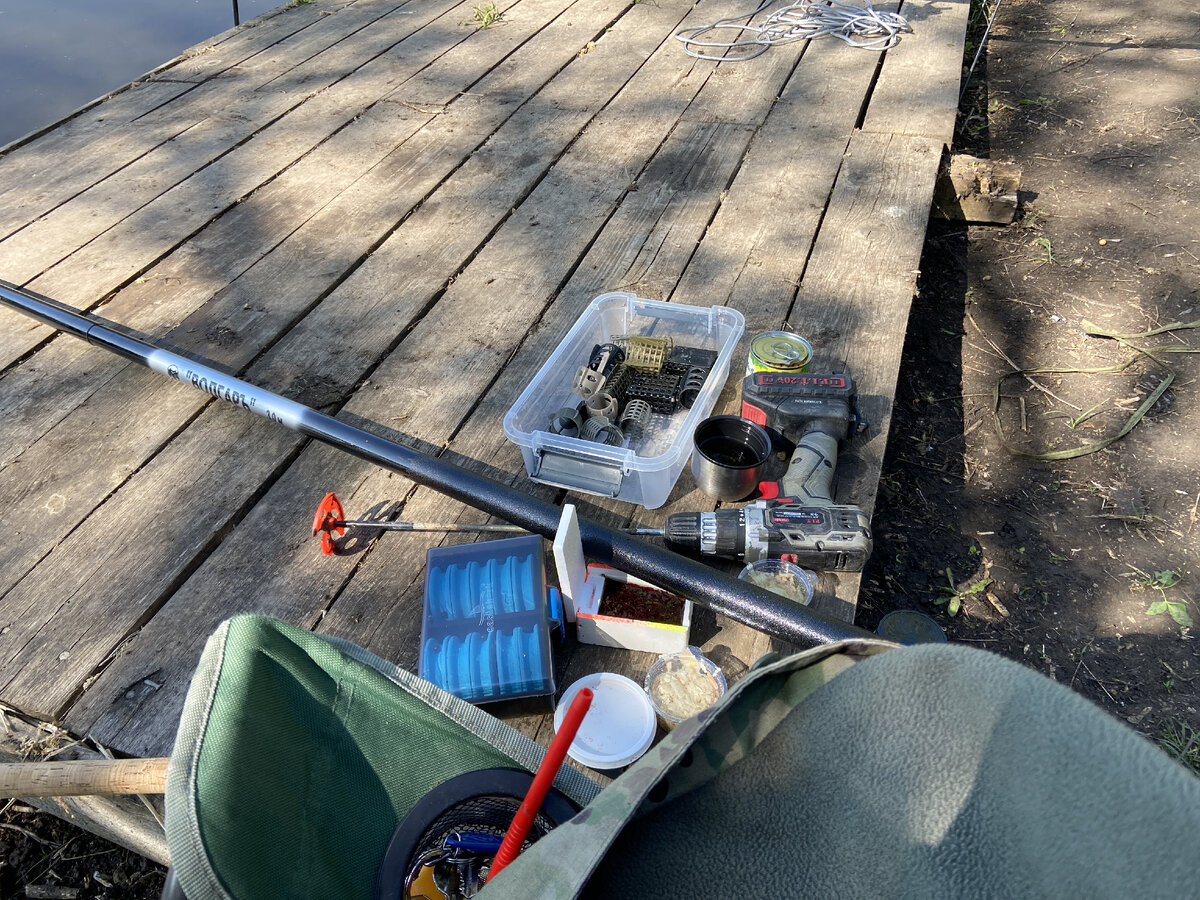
387 214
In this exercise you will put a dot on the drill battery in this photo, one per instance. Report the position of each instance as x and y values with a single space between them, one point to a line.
793 403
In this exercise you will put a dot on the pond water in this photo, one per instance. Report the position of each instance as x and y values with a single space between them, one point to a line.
57 55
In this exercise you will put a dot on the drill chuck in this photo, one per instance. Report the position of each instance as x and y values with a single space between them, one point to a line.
720 533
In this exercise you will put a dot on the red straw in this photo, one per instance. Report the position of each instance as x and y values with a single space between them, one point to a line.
515 836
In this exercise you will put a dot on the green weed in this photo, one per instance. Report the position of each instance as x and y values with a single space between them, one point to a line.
1084 416
953 598
1033 218
1182 743
484 16
1161 581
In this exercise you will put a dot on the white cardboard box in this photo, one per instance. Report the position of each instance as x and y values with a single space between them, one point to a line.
582 587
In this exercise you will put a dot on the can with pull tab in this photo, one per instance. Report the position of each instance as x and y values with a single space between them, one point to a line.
778 351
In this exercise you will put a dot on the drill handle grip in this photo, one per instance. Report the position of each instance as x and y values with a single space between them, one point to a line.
809 476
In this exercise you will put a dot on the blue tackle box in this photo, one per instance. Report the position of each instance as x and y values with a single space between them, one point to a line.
485 633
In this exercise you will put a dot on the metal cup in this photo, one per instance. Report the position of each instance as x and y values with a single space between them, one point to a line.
729 456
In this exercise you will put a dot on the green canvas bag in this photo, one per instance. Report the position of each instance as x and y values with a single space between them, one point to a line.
297 755
934 771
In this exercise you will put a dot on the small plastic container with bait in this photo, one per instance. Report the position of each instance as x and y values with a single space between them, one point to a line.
682 685
781 577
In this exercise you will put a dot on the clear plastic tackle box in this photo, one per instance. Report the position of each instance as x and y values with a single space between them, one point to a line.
642 470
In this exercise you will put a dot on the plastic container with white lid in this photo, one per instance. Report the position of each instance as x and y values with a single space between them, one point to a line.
645 471
619 726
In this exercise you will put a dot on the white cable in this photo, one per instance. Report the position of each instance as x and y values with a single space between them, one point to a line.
858 26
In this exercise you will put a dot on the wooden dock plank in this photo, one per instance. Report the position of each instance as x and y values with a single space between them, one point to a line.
376 608
755 252
757 248
349 172
246 139
382 617
764 225
248 314
16 599
149 304
858 289
48 170
86 150
264 34
860 281
918 87
585 157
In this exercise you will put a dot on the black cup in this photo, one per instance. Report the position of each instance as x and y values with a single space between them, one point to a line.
729 456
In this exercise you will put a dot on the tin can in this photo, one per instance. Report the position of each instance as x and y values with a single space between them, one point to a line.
778 351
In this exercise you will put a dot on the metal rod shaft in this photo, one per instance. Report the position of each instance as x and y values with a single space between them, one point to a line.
753 606
468 527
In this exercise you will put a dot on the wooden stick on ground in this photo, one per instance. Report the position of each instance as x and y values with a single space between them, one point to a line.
75 777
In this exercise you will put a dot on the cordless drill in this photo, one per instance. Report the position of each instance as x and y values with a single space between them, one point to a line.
797 517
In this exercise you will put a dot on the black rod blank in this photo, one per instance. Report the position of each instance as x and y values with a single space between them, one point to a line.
773 615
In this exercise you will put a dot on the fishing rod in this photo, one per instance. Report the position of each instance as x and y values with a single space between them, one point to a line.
769 613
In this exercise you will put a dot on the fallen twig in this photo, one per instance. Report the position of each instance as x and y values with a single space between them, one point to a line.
25 831
1176 675
1098 681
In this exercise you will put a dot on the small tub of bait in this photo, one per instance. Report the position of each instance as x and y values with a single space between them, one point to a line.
682 685
781 577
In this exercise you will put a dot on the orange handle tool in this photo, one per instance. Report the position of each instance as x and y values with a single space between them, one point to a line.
330 517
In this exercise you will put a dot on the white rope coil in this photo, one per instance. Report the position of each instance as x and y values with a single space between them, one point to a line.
858 26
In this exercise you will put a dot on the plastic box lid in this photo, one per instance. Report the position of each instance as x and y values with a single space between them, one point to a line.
485 632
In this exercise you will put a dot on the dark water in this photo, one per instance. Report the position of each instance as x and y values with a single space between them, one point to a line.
56 55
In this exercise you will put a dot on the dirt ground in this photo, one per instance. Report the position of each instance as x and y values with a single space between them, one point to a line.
1084 568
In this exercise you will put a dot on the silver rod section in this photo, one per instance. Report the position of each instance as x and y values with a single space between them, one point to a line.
753 606
468 527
